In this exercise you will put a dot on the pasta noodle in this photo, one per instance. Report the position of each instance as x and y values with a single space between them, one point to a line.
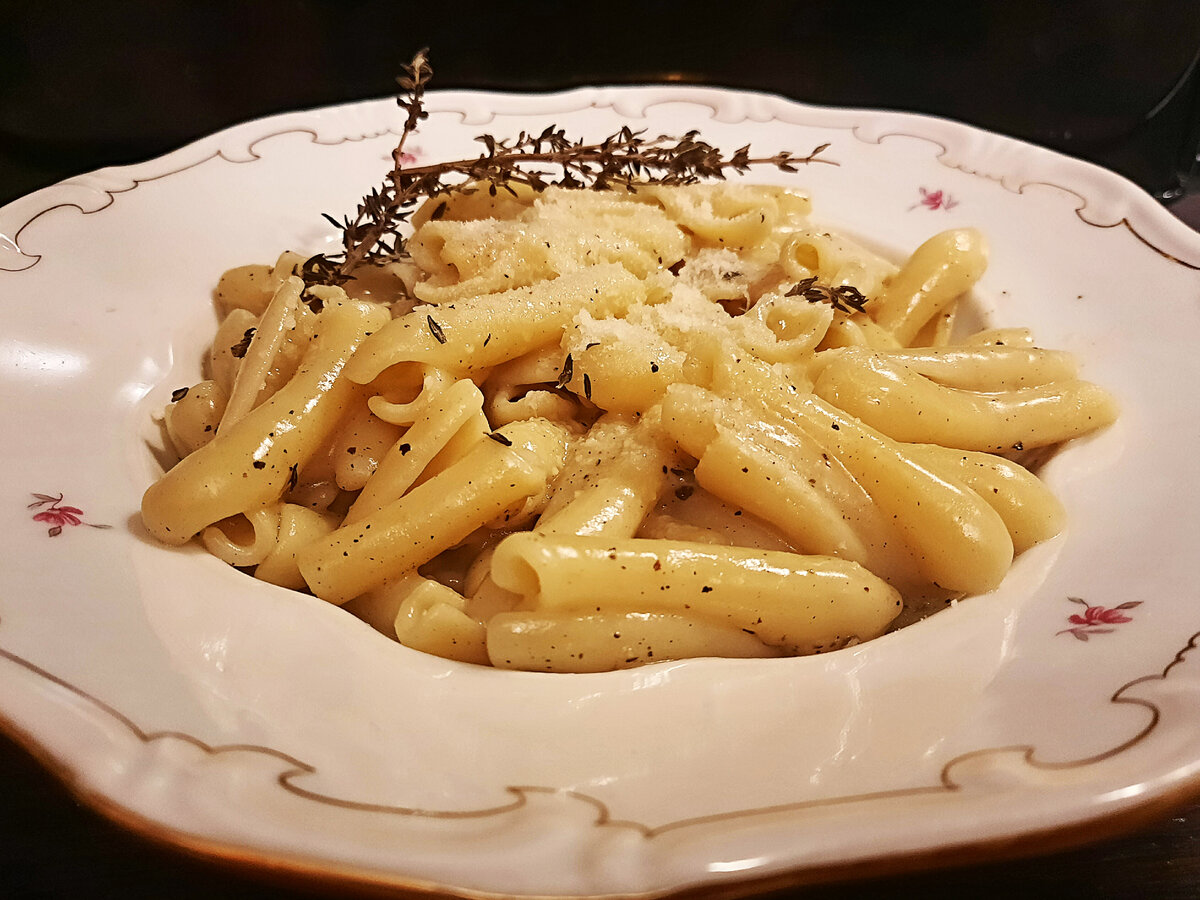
583 430
600 642
800 604
251 463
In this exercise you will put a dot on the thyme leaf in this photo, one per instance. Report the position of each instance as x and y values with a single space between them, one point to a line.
436 330
845 297
568 371
239 349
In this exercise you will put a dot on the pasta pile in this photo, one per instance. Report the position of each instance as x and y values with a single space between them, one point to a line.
578 431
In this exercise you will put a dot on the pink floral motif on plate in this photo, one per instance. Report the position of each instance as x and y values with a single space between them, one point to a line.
53 513
934 200
1097 619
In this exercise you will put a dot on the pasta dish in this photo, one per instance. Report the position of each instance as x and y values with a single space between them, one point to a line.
576 430
569 430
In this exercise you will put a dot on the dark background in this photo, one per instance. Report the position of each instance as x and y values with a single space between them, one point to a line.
88 85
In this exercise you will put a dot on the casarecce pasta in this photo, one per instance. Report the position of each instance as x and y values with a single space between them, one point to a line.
582 430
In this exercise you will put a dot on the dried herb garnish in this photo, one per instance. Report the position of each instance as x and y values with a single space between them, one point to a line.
239 349
436 330
568 371
499 438
622 160
845 297
178 394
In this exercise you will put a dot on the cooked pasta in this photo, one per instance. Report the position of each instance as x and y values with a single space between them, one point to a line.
590 430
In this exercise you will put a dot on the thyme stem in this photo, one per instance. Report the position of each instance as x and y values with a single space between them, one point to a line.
625 159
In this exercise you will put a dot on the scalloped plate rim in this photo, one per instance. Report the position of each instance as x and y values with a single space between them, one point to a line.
1184 790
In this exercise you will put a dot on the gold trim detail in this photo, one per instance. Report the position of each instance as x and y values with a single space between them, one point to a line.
1035 841
1124 222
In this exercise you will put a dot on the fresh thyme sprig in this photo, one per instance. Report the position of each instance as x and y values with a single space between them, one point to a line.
845 297
625 159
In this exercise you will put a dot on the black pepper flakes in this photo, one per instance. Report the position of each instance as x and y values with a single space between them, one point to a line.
259 464
178 394
499 438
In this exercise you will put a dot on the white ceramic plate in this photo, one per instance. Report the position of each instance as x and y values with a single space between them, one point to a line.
250 722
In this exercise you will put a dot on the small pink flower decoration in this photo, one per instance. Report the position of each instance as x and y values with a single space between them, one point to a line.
934 200
407 159
1094 619
56 516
